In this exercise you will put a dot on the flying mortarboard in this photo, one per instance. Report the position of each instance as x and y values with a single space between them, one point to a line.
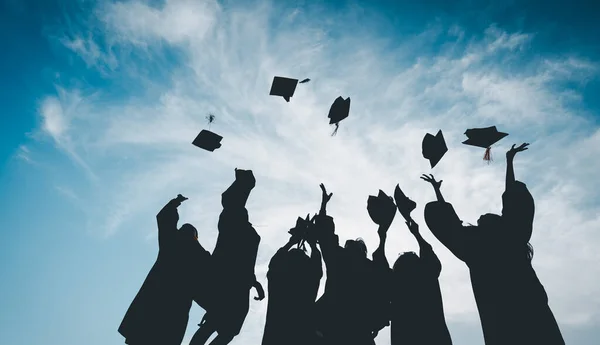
285 87
484 138
434 147
206 139
404 204
340 109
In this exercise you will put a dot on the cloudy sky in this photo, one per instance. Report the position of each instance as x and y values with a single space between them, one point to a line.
101 100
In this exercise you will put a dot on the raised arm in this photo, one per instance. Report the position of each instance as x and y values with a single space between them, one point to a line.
447 227
510 156
167 220
518 208
436 186
426 253
382 210
324 200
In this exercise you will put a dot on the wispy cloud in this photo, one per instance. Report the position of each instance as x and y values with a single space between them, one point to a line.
225 61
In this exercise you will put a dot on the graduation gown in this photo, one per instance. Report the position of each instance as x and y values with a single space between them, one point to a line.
353 305
233 261
512 303
293 289
160 310
417 316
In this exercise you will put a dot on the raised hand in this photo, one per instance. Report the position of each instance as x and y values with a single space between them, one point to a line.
246 177
324 198
431 179
510 154
179 199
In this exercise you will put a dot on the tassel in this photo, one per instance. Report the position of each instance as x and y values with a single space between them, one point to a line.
211 119
337 125
488 155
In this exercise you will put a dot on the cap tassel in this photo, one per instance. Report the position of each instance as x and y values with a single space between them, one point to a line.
337 125
211 119
488 155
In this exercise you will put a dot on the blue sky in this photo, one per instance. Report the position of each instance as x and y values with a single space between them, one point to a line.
100 101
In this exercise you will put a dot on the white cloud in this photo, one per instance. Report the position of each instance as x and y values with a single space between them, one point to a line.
229 59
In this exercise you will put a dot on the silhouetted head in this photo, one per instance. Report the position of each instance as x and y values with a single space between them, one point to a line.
297 257
489 220
188 231
407 263
357 247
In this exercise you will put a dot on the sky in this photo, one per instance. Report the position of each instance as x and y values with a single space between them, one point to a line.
101 99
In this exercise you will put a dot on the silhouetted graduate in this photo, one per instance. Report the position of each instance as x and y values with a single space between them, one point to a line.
352 310
159 313
484 138
417 307
233 261
294 281
340 109
512 303
434 148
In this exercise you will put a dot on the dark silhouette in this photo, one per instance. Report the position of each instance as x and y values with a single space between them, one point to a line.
304 81
284 87
434 148
340 109
293 287
404 204
353 308
159 313
207 140
233 261
417 307
512 303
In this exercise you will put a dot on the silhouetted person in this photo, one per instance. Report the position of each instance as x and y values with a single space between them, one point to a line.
352 310
293 286
512 303
417 307
233 261
159 313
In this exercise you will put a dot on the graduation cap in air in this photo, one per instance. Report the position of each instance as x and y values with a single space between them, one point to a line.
206 139
484 138
285 87
381 208
340 109
404 204
434 147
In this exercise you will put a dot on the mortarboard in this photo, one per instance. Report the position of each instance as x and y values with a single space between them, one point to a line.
379 206
434 147
404 204
340 109
208 140
283 87
484 138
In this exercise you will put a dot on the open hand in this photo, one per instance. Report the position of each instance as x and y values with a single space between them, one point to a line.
513 151
431 179
179 199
